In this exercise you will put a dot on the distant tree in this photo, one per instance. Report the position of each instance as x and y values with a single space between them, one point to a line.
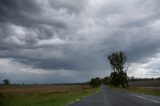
119 76
158 78
105 80
95 82
6 81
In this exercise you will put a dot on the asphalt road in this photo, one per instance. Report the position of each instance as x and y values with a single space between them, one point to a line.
109 97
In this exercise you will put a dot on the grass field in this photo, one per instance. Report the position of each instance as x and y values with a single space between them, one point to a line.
145 87
145 90
152 83
42 95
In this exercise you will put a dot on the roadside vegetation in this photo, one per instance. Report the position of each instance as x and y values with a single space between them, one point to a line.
43 95
145 90
118 77
143 86
146 86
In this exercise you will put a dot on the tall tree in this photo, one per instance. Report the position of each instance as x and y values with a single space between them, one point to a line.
119 76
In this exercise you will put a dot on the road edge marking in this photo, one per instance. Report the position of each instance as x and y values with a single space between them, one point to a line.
147 99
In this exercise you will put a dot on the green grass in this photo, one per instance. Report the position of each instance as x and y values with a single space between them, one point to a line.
43 98
145 90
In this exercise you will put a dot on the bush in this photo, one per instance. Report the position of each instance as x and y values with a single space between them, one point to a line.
95 82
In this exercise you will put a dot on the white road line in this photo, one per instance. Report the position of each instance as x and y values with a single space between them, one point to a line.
147 99
74 101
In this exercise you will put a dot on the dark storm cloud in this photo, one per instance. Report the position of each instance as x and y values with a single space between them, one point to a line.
26 13
14 11
77 35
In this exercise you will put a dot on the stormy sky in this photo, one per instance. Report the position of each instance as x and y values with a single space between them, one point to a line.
54 41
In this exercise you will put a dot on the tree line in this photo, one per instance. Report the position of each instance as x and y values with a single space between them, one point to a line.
96 82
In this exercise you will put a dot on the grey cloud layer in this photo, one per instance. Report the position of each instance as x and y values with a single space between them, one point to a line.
78 34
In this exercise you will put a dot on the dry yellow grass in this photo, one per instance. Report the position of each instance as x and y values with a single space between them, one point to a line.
43 88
